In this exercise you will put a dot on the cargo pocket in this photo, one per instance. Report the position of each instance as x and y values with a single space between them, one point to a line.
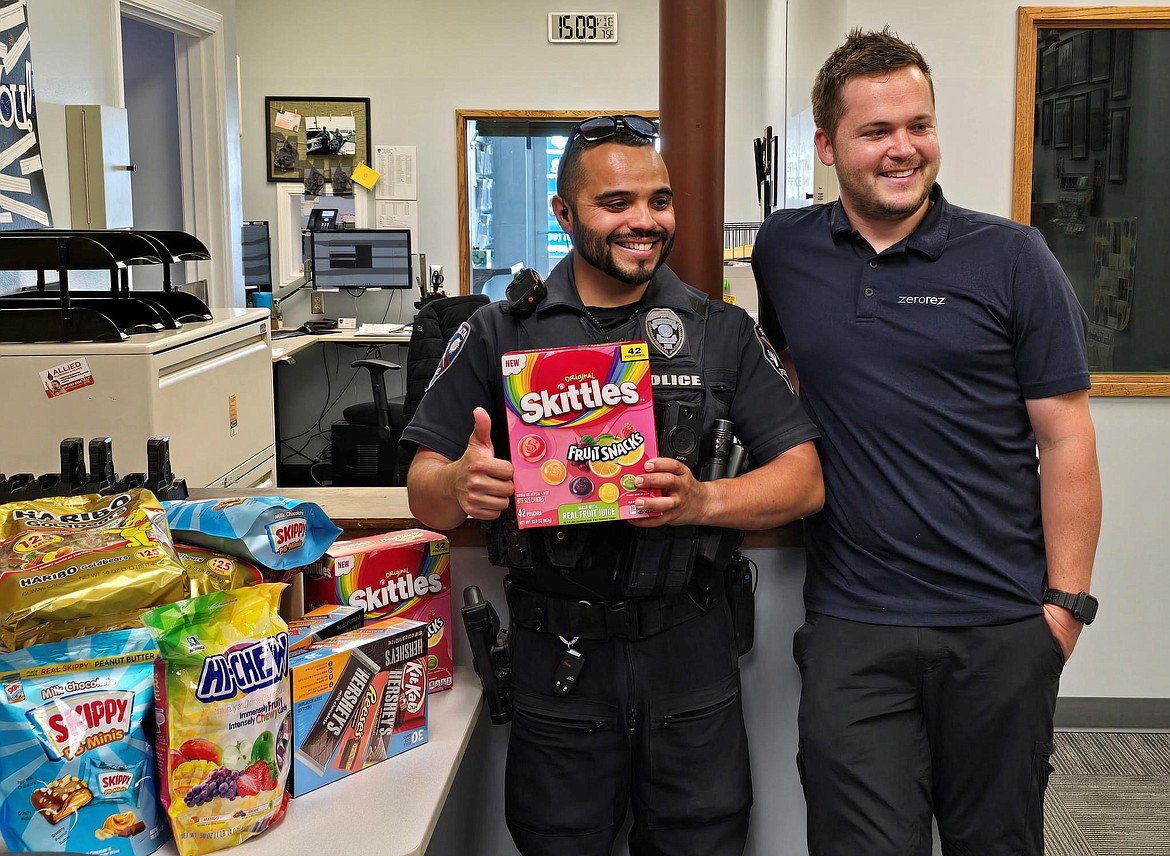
699 764
565 767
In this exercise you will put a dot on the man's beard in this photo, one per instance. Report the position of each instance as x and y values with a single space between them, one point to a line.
598 251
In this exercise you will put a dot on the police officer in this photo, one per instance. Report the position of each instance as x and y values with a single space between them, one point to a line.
653 720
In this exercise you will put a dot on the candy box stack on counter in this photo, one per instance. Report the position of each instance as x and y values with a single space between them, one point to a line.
358 698
404 574
580 424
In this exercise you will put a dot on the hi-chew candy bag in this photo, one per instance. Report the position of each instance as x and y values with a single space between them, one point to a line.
77 772
72 565
222 708
273 531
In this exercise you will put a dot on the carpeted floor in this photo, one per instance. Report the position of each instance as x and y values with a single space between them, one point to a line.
1109 794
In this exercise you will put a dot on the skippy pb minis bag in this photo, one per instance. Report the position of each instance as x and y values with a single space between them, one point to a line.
222 707
83 564
76 772
273 531
580 424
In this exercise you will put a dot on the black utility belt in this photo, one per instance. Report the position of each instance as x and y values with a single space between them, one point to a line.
633 619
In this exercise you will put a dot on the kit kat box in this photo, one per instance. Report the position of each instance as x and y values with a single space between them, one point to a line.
580 426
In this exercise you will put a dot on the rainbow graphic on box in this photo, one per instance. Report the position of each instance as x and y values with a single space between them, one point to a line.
580 426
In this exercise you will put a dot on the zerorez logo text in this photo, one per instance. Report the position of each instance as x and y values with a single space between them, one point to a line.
934 301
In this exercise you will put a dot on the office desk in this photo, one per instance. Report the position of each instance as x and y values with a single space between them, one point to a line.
284 348
313 383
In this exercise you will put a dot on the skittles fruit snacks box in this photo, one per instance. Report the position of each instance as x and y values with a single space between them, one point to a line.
404 574
358 698
580 423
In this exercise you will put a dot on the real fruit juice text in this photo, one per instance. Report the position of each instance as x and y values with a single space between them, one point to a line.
580 426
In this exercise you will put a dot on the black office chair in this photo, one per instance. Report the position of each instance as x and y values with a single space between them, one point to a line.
359 454
365 442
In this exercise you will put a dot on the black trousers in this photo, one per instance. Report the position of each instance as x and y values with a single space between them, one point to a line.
899 723
655 726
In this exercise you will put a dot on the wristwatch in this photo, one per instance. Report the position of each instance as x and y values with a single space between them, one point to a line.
1082 605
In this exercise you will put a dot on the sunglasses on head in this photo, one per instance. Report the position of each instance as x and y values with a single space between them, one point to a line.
604 127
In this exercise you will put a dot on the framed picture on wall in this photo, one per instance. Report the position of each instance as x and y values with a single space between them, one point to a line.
1098 119
1099 55
311 136
1046 122
1118 145
1122 56
1061 123
1079 140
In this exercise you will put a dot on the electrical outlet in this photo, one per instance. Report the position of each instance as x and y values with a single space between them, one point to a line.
317 303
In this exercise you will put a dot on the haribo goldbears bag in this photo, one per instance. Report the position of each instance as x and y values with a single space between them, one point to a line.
222 705
76 565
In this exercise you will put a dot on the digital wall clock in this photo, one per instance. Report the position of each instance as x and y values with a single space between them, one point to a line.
582 27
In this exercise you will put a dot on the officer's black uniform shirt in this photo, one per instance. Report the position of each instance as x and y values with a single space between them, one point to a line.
728 358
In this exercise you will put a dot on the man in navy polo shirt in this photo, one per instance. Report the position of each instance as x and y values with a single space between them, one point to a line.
941 352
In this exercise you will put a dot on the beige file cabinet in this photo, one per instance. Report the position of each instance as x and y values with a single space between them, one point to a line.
207 386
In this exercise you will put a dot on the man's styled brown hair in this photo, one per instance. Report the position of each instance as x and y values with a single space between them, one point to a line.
864 54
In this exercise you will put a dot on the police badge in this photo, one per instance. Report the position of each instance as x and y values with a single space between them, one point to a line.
665 331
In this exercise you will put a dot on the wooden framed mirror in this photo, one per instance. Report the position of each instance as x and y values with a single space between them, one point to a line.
1090 173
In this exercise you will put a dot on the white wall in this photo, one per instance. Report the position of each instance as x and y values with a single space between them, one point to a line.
419 62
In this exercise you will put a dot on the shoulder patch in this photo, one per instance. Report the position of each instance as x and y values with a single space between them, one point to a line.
665 331
451 352
771 356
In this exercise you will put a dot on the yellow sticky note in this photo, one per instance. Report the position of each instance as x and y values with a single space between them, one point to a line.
365 176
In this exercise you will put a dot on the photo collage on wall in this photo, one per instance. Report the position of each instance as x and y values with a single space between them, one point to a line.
317 142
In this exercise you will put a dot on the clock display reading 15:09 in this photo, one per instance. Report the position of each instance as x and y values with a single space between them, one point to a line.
582 27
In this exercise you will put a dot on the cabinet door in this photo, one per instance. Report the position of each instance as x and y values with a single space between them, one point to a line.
99 167
216 406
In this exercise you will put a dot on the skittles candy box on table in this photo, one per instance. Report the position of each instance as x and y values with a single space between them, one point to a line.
404 574
580 424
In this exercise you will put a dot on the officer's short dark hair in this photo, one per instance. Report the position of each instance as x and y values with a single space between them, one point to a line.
569 178
862 54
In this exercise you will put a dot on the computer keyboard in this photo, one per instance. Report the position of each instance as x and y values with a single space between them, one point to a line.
382 329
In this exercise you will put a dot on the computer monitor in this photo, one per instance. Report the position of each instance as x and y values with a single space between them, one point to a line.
362 258
257 255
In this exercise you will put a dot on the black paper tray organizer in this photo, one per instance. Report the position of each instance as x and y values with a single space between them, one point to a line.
95 316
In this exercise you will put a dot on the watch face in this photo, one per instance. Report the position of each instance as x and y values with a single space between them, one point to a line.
1088 609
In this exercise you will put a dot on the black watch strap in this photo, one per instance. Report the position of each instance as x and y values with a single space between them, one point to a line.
1082 605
